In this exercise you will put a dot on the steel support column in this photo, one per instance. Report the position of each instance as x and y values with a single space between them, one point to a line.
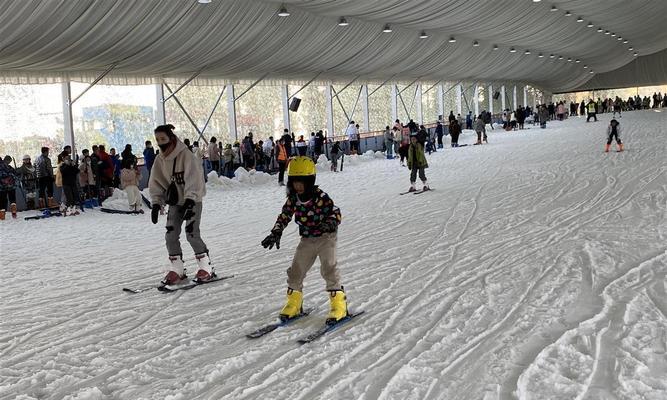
68 123
160 114
284 91
459 92
231 110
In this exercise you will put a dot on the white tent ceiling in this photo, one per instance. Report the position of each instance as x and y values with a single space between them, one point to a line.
147 40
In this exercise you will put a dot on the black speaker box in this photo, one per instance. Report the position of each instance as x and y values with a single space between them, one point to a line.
294 105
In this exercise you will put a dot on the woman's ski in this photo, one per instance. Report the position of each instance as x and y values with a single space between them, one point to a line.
272 327
328 328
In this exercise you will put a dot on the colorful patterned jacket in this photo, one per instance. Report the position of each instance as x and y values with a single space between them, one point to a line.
314 217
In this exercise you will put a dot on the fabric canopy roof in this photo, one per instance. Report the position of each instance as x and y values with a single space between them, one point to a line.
241 40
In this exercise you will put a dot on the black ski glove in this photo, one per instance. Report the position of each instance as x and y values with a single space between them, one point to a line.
272 239
187 209
155 211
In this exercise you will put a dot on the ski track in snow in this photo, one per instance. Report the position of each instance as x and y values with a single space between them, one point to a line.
536 270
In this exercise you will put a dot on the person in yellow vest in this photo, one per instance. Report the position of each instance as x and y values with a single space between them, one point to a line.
318 219
591 109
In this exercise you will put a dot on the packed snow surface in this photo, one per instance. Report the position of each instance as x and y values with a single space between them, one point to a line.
535 270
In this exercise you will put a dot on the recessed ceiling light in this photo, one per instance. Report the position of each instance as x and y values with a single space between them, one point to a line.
526 52
630 48
554 8
387 29
343 22
475 44
495 47
619 38
569 59
590 25
512 50
536 1
283 12
560 57
452 39
636 54
540 55
577 60
600 30
423 35
613 34
552 56
625 41
203 1
607 32
585 66
591 72
580 19
568 14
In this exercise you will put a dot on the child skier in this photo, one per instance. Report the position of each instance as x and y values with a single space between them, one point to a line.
318 219
177 180
614 132
416 163
335 151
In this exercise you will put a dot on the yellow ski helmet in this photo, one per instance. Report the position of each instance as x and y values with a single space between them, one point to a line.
301 166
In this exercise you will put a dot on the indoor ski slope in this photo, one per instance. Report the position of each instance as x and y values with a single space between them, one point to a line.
535 270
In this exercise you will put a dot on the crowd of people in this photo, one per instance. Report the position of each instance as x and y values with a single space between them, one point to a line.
91 176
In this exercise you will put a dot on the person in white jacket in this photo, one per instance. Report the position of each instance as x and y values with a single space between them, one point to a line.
177 180
352 134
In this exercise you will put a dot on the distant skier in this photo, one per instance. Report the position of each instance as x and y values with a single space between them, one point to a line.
177 180
614 132
480 129
318 219
591 108
416 163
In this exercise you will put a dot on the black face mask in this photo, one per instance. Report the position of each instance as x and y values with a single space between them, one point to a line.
164 147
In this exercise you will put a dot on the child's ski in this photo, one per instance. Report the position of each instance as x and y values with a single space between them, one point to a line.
272 327
112 211
328 328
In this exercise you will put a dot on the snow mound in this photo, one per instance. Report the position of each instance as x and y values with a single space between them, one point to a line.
251 177
117 201
323 164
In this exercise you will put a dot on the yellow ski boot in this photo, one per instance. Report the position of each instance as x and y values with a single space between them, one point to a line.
293 306
338 306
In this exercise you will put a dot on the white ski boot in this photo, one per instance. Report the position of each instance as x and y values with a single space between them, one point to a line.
204 269
175 273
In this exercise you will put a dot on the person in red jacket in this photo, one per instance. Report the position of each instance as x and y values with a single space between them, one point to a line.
104 169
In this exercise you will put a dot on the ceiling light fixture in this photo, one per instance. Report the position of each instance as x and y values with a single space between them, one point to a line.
619 38
495 47
636 54
607 32
560 57
423 35
625 42
591 72
568 14
613 34
590 25
203 1
554 8
452 39
569 59
630 48
585 66
527 52
512 50
600 30
577 60
283 12
540 55
580 19
536 1
387 29
475 44
552 56
343 22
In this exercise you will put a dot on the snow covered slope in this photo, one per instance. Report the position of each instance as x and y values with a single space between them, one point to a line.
535 270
